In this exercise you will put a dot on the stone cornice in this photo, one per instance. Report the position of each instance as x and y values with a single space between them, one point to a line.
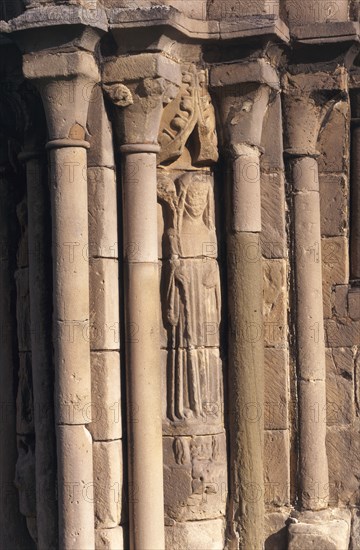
119 20
53 15
166 18
269 26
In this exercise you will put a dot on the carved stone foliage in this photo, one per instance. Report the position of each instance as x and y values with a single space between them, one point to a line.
191 303
190 114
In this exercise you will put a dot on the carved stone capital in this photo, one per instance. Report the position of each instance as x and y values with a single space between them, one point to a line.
243 93
307 99
65 82
141 85
242 110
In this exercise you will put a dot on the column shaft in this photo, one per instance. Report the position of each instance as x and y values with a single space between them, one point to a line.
66 116
106 365
246 351
143 348
313 466
72 343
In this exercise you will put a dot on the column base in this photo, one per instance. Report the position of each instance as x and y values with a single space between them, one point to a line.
322 530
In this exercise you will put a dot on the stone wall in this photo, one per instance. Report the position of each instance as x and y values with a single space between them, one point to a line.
180 274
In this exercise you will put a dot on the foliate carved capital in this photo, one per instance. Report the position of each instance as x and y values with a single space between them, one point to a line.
141 85
307 99
65 82
243 92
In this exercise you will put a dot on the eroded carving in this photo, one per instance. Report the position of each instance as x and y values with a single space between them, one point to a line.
191 112
195 453
195 477
119 94
192 301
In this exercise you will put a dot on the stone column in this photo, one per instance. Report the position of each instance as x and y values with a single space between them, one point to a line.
304 114
13 532
307 99
149 80
242 105
143 355
106 365
64 82
313 466
41 348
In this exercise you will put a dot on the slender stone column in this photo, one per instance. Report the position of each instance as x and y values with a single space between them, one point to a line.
72 349
305 108
107 398
143 346
148 79
41 349
242 106
313 465
62 82
355 200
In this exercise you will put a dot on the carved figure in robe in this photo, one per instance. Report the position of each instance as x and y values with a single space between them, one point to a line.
192 305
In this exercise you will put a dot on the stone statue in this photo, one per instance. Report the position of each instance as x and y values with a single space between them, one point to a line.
191 283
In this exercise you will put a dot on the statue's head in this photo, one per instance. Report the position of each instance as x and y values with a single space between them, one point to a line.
196 186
